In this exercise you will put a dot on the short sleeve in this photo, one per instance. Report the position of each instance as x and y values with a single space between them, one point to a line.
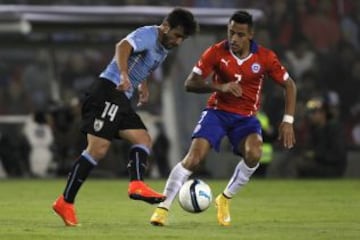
275 69
206 63
142 38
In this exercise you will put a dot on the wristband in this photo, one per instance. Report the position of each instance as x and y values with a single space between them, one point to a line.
288 119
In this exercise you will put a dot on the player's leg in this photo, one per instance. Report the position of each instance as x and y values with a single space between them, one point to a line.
138 162
64 205
246 141
251 148
207 134
95 151
178 175
101 116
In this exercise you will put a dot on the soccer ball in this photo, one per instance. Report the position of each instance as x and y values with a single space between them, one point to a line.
195 196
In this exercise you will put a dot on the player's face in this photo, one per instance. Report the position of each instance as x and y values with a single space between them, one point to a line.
239 36
173 38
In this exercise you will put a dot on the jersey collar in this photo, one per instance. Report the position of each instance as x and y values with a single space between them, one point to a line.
253 46
253 49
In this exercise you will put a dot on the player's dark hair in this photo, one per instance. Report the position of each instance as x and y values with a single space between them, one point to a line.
242 17
184 18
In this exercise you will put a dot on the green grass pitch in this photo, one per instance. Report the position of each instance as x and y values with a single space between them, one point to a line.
264 209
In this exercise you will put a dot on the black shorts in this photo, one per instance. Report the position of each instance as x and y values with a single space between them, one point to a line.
107 110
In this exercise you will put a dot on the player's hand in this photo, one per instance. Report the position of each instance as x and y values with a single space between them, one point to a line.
233 88
144 94
287 135
125 83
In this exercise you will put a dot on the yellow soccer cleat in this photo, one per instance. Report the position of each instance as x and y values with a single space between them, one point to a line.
223 212
159 216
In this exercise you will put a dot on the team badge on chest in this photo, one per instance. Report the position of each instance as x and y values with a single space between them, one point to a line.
255 67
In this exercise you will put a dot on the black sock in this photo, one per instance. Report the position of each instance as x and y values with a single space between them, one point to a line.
77 176
137 162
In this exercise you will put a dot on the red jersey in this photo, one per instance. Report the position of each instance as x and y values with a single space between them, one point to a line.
248 72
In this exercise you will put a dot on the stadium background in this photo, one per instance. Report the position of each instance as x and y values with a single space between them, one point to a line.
49 55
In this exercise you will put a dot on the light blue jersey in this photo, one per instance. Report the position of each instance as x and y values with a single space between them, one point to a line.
148 53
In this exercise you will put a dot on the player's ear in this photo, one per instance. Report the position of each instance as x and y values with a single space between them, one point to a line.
166 27
251 34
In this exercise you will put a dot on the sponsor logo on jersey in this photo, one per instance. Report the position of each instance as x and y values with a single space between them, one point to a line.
98 125
255 67
226 62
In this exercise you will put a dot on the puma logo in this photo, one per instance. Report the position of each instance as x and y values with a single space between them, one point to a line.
225 62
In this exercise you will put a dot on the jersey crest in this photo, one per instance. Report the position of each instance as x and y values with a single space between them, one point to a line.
255 67
98 125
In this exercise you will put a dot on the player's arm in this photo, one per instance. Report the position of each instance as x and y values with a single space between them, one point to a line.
122 53
278 73
196 83
290 96
286 130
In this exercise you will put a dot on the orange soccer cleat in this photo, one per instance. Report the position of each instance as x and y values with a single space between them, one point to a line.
66 211
138 190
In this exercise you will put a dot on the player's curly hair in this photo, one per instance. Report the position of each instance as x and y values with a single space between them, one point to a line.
184 18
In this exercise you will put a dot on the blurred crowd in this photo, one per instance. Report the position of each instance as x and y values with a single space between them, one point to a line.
317 40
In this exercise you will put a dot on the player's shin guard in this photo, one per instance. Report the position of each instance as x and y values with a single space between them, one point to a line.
177 177
138 162
78 174
239 178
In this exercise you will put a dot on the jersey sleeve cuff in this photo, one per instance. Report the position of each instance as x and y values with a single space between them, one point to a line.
197 70
132 43
286 76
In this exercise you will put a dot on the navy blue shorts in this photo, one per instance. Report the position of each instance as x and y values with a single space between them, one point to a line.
214 125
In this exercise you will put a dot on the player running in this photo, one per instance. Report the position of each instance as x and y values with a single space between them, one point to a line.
238 66
107 113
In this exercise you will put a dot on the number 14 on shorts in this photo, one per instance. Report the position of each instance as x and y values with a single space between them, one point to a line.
110 110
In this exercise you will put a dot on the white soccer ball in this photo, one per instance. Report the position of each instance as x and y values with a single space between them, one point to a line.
195 196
